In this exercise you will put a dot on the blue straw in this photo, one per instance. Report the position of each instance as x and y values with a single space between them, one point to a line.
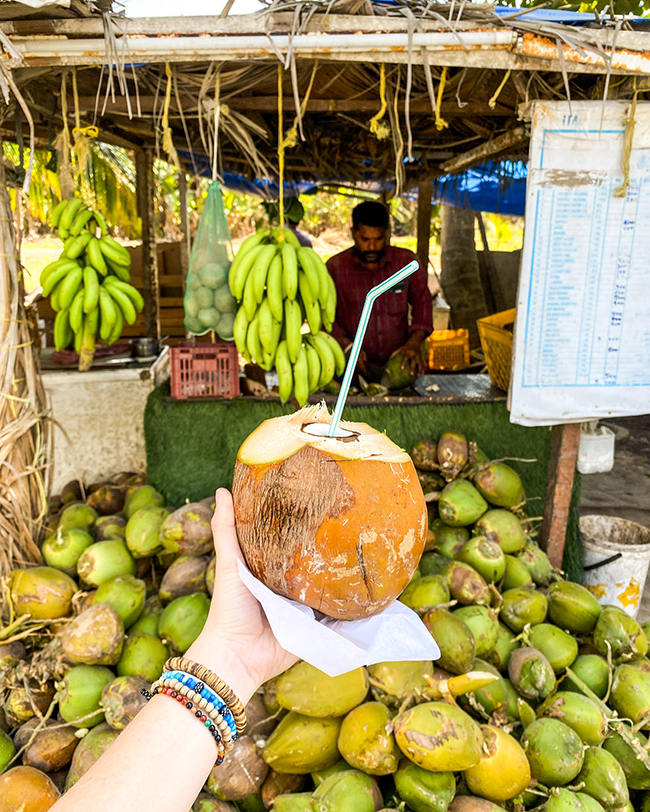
407 270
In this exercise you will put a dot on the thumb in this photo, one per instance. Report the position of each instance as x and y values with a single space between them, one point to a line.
224 533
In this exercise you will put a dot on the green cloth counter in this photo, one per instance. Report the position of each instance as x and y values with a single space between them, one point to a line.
192 445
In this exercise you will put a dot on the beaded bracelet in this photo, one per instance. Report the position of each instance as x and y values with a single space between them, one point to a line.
214 682
205 698
202 717
214 711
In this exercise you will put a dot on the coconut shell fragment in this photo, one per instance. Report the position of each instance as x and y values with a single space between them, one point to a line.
338 524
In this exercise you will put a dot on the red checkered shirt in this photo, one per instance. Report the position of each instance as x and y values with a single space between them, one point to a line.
389 327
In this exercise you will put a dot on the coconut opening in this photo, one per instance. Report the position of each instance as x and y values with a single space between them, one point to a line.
322 430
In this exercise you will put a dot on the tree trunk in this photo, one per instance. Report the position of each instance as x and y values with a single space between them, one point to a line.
460 277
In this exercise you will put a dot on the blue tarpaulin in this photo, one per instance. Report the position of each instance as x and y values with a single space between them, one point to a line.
497 186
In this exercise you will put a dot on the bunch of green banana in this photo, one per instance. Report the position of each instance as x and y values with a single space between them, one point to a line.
89 285
280 286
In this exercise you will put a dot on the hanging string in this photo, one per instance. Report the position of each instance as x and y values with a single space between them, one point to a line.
62 142
628 140
80 136
291 138
167 137
440 122
493 101
380 129
280 150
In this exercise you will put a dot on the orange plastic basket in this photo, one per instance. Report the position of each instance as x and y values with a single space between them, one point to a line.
447 349
496 341
207 370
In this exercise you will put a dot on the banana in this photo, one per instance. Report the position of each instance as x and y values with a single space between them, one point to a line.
101 223
108 310
328 364
246 247
261 269
312 309
324 277
132 292
117 327
301 378
113 251
124 303
287 235
289 271
326 323
58 211
253 340
265 326
62 330
79 337
95 257
78 244
121 271
48 270
330 304
239 329
293 323
54 298
67 244
69 287
77 311
91 289
314 365
70 212
239 277
277 334
87 348
305 260
337 351
56 276
248 301
80 222
284 370
274 287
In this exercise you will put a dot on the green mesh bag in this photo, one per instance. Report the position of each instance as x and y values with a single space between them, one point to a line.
209 304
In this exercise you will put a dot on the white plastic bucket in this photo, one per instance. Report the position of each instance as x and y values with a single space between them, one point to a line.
596 450
616 554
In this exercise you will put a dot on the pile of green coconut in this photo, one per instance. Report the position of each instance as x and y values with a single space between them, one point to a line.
539 700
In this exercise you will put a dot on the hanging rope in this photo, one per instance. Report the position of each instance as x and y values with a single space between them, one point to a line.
628 140
440 122
280 150
493 101
63 145
291 138
167 137
380 129
80 136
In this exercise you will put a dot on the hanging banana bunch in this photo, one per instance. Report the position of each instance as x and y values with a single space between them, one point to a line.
280 286
89 285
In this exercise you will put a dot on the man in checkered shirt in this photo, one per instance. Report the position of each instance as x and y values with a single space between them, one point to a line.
400 318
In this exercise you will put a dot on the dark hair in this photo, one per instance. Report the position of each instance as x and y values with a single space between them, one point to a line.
370 213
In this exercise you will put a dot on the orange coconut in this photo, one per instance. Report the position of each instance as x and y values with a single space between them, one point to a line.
337 523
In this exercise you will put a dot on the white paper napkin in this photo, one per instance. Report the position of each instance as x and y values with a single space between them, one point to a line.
338 646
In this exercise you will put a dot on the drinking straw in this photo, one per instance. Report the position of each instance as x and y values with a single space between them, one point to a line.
373 293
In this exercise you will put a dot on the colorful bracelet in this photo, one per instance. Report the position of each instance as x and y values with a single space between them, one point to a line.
214 682
201 702
202 717
205 698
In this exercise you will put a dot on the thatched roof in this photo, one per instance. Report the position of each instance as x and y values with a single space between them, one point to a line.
52 9
458 81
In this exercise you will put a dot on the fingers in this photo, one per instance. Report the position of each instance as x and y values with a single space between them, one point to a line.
224 533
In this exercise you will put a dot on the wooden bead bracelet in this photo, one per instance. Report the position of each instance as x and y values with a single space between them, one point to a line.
215 710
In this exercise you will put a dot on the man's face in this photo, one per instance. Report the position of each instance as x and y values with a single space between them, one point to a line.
369 242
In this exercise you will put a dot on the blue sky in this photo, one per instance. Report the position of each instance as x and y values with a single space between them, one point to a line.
172 8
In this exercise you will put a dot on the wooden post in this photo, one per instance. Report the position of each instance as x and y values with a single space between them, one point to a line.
185 224
424 223
561 472
146 196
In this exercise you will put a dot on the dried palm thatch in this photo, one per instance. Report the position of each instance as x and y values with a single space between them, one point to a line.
24 427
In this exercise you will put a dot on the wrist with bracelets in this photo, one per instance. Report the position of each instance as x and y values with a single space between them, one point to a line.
205 694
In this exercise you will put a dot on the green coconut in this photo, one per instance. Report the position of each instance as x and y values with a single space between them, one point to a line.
184 576
503 528
425 455
516 574
592 669
453 453
485 556
366 740
637 775
500 485
537 563
460 504
425 593
148 620
531 673
422 790
125 594
483 624
630 695
181 621
446 538
303 744
603 778
107 500
492 697
7 750
454 638
350 791
122 699
94 637
503 648
77 517
44 593
523 607
105 560
393 683
581 714
23 704
143 531
297 802
80 694
465 584
188 531
469 803
439 737
565 800
340 766
397 373
143 656
572 607
90 750
109 527
62 550
554 752
142 497
308 691
559 648
617 629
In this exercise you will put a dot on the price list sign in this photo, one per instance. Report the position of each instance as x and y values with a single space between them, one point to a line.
582 338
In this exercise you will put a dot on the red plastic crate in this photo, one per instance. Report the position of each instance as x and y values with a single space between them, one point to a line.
207 370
